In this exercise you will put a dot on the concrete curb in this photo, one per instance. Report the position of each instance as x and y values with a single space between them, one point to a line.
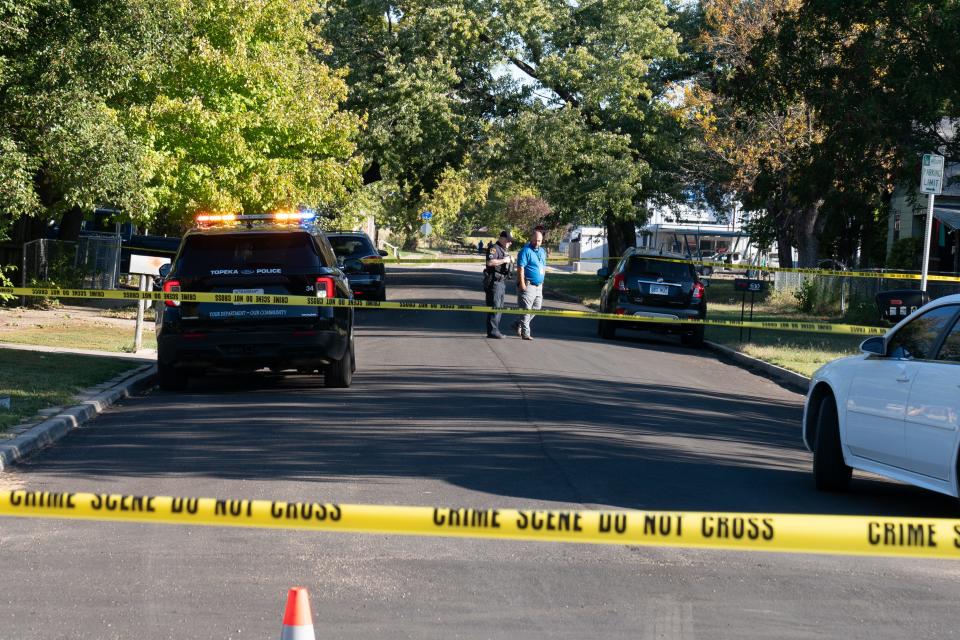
784 377
93 402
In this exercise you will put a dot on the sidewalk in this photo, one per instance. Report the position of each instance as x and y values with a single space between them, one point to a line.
50 423
144 355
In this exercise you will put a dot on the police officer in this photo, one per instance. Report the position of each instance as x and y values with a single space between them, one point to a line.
495 279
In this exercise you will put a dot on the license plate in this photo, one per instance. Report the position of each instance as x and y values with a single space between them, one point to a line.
252 292
659 290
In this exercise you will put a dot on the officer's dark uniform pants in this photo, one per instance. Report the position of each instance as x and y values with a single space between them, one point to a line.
495 299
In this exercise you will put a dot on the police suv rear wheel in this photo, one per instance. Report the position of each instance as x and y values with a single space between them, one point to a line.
339 373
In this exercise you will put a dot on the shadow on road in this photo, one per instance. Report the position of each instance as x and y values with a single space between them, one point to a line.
629 445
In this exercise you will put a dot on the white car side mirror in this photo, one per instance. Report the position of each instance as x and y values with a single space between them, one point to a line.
873 346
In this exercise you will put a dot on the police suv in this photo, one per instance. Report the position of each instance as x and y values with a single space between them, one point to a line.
271 254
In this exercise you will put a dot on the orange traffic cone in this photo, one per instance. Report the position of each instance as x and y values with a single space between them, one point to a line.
297 619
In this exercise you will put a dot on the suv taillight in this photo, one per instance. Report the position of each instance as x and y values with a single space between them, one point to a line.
325 287
620 282
171 286
697 290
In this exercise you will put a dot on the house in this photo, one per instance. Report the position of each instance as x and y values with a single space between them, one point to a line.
688 228
908 219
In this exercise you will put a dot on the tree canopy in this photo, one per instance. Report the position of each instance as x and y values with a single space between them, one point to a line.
807 112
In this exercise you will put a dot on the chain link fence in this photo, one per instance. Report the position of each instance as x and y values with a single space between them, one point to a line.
92 262
854 298
98 257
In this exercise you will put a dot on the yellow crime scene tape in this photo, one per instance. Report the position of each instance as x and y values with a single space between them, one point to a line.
281 300
797 533
740 267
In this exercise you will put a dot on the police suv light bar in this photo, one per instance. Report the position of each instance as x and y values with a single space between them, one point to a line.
281 216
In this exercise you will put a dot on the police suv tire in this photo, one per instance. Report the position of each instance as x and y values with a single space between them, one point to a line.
694 339
339 373
606 329
170 378
381 296
830 472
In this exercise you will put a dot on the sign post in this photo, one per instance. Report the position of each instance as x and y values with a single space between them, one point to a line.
754 287
146 267
931 183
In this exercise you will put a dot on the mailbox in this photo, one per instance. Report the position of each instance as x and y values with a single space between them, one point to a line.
896 305
743 284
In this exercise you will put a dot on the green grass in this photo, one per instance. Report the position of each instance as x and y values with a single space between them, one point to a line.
584 286
35 381
59 333
797 351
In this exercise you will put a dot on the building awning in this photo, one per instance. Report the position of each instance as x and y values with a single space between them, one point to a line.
949 217
703 232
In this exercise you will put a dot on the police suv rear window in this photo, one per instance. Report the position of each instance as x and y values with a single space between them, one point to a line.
241 253
674 271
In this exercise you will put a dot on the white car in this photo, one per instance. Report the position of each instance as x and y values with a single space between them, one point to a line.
894 410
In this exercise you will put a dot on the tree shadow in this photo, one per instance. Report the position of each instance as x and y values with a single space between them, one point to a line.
567 439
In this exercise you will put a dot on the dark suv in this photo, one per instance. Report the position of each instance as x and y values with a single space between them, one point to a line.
254 255
653 285
362 263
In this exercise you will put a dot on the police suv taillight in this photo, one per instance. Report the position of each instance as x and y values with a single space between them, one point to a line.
697 290
325 287
171 286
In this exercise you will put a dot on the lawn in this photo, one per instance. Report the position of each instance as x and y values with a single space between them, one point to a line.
77 328
35 381
800 352
585 287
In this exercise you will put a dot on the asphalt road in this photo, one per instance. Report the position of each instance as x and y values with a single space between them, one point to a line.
439 415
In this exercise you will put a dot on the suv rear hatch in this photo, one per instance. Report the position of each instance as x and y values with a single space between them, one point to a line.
357 252
260 263
657 283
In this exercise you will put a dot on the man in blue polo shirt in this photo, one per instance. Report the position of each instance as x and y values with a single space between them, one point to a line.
532 268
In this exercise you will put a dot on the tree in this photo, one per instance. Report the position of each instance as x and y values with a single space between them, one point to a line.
167 107
422 82
526 211
491 84
816 108
756 139
603 68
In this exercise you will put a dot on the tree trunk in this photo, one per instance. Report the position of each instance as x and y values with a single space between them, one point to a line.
70 224
810 225
621 235
784 247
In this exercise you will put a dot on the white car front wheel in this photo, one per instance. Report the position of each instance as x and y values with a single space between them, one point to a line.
830 472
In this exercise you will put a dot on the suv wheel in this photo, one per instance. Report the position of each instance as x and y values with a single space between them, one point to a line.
339 373
694 339
830 472
170 378
353 358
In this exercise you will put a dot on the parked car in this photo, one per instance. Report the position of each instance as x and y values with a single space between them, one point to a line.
361 262
654 285
254 254
893 410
